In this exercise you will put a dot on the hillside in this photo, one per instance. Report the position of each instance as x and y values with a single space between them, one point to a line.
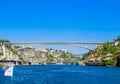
29 55
107 54
47 56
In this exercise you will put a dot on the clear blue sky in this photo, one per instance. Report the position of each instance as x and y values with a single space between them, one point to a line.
60 20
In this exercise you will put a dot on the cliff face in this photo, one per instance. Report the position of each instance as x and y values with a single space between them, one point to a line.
106 54
40 56
47 56
36 56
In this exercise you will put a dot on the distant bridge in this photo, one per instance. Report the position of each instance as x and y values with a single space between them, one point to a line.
49 43
76 44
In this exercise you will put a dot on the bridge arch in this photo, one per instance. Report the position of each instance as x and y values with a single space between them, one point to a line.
76 44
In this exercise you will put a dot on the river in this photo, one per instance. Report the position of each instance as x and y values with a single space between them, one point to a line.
63 74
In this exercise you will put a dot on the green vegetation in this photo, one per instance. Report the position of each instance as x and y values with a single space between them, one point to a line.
63 57
4 41
8 46
109 53
109 62
17 47
71 59
1 53
50 59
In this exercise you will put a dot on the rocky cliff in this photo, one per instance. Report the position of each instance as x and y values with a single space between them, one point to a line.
29 55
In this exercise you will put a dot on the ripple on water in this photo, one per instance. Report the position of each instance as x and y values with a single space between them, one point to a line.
63 74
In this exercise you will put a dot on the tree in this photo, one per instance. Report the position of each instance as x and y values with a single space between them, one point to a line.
118 38
50 59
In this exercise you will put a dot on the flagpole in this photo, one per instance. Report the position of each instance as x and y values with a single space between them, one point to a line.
11 80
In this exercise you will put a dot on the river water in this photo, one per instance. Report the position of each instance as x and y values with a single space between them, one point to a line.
63 74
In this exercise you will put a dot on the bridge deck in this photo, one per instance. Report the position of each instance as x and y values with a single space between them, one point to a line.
94 43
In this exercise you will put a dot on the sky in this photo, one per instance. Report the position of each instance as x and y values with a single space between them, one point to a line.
60 20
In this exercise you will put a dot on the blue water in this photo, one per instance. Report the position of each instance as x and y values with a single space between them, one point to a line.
63 74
